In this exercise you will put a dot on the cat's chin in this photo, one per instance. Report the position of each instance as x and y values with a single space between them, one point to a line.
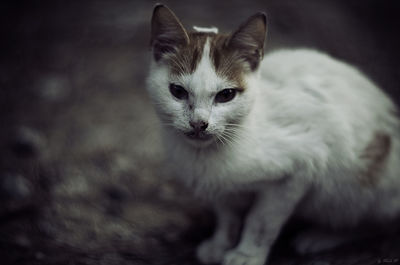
199 143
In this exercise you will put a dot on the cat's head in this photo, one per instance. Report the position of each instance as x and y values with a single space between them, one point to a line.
201 82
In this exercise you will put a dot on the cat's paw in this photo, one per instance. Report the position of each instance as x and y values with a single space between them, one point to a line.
210 252
235 257
316 241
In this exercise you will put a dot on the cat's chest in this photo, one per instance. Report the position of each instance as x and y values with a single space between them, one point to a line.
201 164
218 169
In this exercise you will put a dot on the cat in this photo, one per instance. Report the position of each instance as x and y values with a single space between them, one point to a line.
294 133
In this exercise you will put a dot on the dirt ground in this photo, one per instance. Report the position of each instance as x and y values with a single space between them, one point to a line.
81 178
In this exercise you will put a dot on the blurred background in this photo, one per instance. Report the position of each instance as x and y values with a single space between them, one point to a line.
81 180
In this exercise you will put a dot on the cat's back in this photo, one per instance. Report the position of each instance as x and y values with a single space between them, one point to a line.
316 70
300 68
313 85
322 72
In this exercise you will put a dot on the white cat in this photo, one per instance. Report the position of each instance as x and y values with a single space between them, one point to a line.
297 133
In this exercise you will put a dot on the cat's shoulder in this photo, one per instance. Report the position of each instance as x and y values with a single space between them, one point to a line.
283 53
287 65
302 57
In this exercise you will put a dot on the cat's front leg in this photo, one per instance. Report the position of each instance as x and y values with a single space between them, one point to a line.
214 249
269 213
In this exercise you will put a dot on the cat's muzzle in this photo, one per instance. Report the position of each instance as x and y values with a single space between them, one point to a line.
198 135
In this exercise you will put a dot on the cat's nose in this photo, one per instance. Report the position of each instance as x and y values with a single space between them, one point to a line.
199 125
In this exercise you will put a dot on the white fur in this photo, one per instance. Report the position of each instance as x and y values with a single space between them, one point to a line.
206 30
306 120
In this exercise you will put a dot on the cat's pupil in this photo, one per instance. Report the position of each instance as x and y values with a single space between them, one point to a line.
225 95
178 91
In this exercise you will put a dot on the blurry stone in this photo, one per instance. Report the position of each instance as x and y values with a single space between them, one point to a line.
15 186
39 255
22 241
27 142
123 163
167 191
115 194
172 234
319 263
54 88
110 259
74 183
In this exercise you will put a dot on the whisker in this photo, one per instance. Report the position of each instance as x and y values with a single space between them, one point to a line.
231 135
224 140
235 125
231 140
219 141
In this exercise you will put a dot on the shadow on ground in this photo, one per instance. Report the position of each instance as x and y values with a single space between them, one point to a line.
81 180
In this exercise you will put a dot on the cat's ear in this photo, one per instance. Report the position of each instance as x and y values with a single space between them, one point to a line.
167 32
249 39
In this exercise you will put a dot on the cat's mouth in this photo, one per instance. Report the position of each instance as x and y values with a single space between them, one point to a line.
198 136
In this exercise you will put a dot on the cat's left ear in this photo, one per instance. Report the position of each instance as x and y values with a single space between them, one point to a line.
249 39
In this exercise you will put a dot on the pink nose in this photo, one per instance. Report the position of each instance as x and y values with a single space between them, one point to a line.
199 125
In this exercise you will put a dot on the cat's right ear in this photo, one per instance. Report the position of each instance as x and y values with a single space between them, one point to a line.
249 39
167 32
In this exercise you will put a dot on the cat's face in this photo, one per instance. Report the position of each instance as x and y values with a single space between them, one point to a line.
201 82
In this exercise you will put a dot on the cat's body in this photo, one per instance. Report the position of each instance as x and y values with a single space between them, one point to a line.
309 125
306 134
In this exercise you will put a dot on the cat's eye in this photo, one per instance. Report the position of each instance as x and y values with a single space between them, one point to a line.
225 95
178 91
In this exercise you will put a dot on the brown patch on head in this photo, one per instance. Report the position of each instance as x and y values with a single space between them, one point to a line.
188 56
228 62
241 52
375 155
